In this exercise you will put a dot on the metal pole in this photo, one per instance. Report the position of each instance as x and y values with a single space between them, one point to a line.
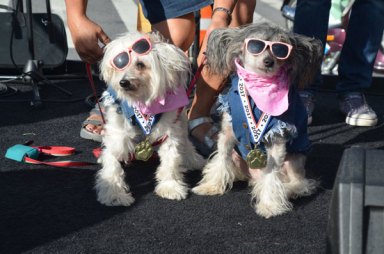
30 30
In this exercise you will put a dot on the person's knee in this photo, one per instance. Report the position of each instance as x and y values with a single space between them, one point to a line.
179 31
243 13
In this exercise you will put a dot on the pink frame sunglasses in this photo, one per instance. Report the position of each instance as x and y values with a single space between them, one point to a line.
280 50
140 47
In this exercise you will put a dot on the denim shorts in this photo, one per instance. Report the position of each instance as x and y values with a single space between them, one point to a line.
159 10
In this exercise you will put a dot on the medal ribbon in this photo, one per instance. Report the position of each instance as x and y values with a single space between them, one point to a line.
257 129
144 122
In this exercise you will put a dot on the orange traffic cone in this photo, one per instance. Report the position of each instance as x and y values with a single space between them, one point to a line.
205 20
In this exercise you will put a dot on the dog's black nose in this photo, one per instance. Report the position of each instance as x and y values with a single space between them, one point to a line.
268 62
125 84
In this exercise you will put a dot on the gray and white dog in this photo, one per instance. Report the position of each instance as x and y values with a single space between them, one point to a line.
263 137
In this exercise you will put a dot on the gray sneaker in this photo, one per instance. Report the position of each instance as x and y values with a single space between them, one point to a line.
358 112
309 104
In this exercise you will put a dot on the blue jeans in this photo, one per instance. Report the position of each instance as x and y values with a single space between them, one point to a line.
159 10
363 38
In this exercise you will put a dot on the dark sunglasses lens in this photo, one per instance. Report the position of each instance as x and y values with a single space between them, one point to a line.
280 50
121 60
255 46
141 46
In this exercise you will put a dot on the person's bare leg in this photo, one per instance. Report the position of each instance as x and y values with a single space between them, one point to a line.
209 86
180 31
243 13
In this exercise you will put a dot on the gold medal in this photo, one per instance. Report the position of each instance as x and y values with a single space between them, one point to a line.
256 158
143 150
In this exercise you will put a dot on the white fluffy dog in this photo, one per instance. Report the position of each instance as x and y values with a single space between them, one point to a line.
264 119
144 102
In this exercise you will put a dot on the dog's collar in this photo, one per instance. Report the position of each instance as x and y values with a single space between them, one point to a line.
127 110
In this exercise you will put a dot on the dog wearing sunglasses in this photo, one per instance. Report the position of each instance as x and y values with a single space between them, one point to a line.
263 137
144 101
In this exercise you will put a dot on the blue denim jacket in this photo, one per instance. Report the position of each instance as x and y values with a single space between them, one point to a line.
292 123
109 97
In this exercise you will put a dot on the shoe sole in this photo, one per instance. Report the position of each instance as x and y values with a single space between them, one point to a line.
361 122
309 121
85 134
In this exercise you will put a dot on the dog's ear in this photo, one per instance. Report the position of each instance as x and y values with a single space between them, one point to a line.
307 56
172 60
106 70
221 52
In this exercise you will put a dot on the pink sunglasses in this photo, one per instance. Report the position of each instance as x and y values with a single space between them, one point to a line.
140 47
280 50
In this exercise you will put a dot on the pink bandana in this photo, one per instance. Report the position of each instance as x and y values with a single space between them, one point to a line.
172 101
269 93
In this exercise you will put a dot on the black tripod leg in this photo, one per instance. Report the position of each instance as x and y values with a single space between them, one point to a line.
36 100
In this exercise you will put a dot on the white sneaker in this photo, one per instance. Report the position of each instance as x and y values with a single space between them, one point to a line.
357 110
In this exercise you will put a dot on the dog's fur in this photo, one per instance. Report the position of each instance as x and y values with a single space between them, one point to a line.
147 77
284 176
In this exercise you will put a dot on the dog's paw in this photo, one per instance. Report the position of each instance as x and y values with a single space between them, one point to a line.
208 189
171 190
272 209
116 199
305 187
113 195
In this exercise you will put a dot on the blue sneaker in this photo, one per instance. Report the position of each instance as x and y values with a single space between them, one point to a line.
357 110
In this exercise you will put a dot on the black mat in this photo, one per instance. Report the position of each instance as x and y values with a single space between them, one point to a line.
54 210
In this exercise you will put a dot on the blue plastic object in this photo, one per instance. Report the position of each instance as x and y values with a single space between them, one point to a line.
18 152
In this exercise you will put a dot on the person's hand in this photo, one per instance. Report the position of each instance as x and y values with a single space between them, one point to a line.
88 38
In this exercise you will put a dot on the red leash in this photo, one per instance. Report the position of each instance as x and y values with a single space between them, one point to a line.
90 78
30 154
195 77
